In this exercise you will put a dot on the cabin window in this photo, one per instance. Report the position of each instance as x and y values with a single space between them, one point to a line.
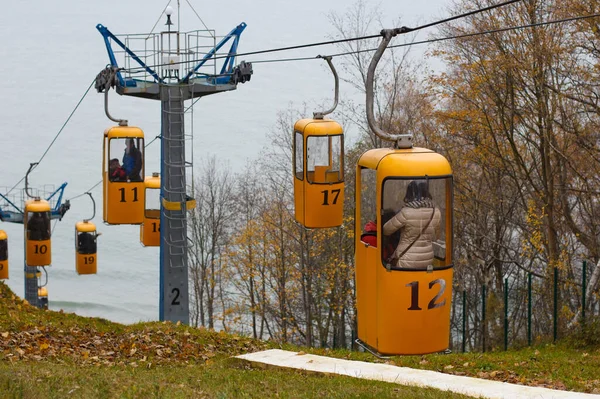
38 226
422 209
299 156
152 203
125 160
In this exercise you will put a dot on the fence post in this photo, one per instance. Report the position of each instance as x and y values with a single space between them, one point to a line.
506 314
529 308
483 316
464 321
555 312
583 291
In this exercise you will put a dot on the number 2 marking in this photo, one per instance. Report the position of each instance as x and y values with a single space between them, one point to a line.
175 300
414 294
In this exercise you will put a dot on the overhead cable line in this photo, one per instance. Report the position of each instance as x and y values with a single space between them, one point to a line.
57 134
429 41
465 35
403 29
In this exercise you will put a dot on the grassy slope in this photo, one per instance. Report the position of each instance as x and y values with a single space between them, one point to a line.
45 354
52 354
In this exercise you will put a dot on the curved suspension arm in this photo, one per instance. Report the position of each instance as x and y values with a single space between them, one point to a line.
402 140
320 115
94 206
121 122
31 166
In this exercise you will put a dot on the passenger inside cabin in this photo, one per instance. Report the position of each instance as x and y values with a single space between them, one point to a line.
419 224
132 161
86 243
116 171
370 235
38 226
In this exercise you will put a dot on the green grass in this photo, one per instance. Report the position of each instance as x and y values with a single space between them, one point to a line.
222 379
45 354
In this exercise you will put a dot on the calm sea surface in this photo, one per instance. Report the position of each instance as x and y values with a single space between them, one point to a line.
51 52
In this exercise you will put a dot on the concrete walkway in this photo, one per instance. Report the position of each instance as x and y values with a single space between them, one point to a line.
405 376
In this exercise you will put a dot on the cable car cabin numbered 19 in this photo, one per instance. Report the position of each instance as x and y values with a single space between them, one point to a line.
3 255
150 228
86 261
318 173
123 168
403 250
37 233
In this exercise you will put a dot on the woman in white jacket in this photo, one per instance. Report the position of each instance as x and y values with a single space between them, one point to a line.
419 225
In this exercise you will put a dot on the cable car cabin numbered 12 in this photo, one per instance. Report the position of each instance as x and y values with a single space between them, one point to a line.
403 250
318 173
123 168
37 233
3 255
150 228
86 261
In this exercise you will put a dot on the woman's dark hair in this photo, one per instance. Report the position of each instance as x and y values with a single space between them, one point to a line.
412 192
424 191
417 191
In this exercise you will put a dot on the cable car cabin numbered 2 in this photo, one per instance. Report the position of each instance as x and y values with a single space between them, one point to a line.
37 233
403 250
3 255
123 168
86 261
318 173
150 228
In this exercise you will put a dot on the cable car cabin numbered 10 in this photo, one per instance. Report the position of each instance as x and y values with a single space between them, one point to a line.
403 250
86 261
123 168
150 228
3 255
37 233
318 173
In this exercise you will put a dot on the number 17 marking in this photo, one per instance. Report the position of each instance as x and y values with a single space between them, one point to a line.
326 196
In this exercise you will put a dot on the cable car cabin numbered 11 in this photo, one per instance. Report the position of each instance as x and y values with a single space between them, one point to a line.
403 250
318 173
123 168
37 233
3 255
150 228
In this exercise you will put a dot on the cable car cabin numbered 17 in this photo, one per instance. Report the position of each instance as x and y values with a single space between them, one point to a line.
318 173
123 168
3 255
150 228
37 233
403 250
86 261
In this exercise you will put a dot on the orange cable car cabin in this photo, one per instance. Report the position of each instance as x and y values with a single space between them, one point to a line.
3 255
404 273
86 257
37 233
318 173
122 174
150 228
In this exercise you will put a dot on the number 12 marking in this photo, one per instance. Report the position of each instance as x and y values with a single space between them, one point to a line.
414 294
